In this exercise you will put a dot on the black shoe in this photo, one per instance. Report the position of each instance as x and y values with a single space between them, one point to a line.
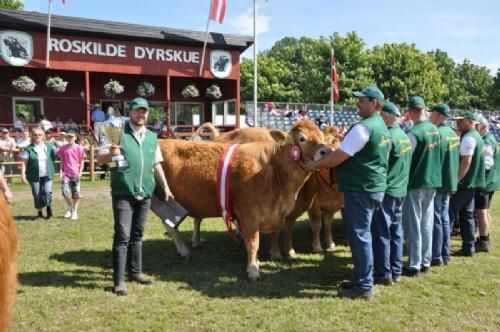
461 253
383 281
425 269
482 246
347 284
142 279
409 272
39 215
355 293
436 263
120 290
49 212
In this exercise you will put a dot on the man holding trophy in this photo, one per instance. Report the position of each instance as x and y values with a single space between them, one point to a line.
135 164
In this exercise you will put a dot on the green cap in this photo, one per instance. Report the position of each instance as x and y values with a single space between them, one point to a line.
467 115
391 109
416 102
442 109
139 103
371 92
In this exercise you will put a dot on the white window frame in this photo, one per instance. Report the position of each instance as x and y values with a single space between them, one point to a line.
224 118
202 107
14 99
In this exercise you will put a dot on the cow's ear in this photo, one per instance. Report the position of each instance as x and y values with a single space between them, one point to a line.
279 136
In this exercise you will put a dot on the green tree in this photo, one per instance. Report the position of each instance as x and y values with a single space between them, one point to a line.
477 85
495 91
12 4
401 70
455 94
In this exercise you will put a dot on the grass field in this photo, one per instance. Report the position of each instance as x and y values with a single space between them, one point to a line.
65 277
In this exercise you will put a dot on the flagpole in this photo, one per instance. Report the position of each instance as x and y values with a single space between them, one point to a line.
331 88
205 43
47 58
255 62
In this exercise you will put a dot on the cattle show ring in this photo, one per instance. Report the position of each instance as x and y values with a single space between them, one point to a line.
256 238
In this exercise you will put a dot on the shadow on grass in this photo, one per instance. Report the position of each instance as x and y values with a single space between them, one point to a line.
218 269
28 218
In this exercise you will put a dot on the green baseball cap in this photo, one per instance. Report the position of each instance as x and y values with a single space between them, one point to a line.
371 92
416 102
391 109
139 103
442 109
466 115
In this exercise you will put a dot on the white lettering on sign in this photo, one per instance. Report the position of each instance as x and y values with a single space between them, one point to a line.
116 50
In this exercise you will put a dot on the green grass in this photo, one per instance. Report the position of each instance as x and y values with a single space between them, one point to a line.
65 276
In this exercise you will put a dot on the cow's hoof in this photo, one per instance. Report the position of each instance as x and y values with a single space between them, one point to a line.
292 254
253 276
276 256
317 250
331 248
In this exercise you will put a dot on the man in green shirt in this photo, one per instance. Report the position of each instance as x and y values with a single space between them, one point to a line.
471 173
387 231
449 159
425 177
362 175
131 190
484 196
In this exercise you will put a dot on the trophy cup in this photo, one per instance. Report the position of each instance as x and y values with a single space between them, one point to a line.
113 131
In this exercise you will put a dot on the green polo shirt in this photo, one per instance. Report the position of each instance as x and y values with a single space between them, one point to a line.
450 158
474 178
399 162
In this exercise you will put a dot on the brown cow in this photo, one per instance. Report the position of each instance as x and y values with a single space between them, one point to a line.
8 266
264 181
319 196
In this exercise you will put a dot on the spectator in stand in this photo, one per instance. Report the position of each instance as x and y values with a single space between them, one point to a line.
163 133
156 127
97 118
70 125
45 124
7 150
72 158
83 141
61 140
37 169
24 140
58 124
484 195
19 123
49 138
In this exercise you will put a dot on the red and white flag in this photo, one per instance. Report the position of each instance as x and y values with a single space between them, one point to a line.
335 79
218 10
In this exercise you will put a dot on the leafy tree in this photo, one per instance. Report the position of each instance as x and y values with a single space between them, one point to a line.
495 91
12 4
477 84
455 94
401 70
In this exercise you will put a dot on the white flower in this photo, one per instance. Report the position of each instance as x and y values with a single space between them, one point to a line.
190 91
213 91
113 88
24 84
145 89
57 84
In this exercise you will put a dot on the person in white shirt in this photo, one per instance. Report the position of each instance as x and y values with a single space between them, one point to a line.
19 123
45 124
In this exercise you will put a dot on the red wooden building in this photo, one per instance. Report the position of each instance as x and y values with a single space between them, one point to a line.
89 53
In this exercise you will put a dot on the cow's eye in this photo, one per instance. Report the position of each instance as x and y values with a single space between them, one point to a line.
302 140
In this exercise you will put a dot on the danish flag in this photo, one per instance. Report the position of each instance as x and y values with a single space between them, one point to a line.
217 10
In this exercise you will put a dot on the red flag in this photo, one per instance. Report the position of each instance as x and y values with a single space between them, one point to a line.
63 1
218 10
335 80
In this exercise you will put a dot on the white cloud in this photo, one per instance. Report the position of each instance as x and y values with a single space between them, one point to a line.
243 24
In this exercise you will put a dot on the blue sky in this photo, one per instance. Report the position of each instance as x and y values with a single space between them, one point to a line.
464 29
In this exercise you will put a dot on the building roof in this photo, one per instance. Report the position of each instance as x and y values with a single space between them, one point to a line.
35 21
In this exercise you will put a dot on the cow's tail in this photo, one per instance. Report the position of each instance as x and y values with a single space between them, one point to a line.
207 125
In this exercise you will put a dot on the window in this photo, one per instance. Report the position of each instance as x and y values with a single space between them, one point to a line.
187 114
30 108
224 112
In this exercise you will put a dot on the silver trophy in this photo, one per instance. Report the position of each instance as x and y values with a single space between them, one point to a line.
113 130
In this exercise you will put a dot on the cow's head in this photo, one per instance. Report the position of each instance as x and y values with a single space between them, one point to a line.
307 137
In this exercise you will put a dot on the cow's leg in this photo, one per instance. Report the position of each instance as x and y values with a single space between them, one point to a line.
275 248
314 214
179 244
195 240
252 243
327 230
289 251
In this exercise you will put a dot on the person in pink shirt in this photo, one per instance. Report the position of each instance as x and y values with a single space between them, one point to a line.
72 158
